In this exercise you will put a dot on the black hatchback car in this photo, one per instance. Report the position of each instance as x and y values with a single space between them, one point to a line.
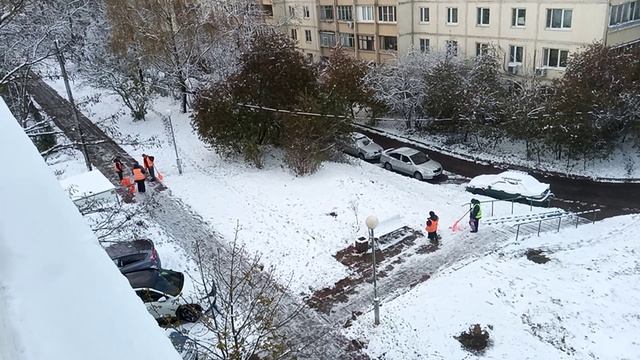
136 255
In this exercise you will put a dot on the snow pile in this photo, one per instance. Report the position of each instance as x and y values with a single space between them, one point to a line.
580 305
511 182
61 297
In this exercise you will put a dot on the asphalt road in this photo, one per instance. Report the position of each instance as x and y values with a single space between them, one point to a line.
571 194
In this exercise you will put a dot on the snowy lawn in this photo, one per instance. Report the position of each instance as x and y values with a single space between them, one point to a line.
580 305
623 164
294 222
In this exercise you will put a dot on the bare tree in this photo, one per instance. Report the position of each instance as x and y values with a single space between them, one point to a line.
248 312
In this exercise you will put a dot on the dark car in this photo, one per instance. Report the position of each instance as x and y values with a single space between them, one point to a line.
134 255
161 292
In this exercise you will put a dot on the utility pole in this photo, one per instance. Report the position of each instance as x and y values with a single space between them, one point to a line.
175 146
83 144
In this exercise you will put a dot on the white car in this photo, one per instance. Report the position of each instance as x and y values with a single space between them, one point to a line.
362 146
411 162
161 290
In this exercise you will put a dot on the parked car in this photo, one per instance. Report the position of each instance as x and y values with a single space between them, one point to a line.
161 290
512 185
411 162
134 255
362 146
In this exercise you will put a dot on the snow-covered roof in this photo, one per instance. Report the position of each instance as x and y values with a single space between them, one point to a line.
86 184
512 182
61 297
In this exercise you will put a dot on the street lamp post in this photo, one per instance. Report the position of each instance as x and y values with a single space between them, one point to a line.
372 222
175 146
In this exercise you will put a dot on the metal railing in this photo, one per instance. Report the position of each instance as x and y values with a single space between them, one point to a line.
513 200
559 219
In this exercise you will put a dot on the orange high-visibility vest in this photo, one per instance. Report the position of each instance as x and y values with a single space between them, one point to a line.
148 163
433 227
138 175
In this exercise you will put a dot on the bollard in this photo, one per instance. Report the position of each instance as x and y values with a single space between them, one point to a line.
559 222
517 232
539 225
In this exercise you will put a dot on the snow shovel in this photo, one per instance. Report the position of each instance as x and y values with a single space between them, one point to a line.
455 226
159 176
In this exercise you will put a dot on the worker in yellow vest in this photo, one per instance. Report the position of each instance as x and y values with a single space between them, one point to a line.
475 215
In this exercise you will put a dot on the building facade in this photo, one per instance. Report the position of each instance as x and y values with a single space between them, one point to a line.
532 37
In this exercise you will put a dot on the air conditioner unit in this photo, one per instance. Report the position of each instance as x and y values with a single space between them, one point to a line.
513 69
541 72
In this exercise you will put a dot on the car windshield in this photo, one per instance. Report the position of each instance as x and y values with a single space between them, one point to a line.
419 158
169 282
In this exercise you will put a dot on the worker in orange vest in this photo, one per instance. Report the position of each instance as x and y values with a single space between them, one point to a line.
138 176
432 227
148 164
119 168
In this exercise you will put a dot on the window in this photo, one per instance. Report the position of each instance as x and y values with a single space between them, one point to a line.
347 40
483 16
365 42
405 159
452 47
344 13
516 54
518 17
305 12
452 16
424 45
424 15
624 13
555 58
326 12
389 43
267 10
482 49
148 296
294 34
387 13
327 39
292 11
395 156
559 18
307 35
365 13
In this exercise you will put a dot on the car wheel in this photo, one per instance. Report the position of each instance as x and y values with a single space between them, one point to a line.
189 312
417 175
361 156
388 166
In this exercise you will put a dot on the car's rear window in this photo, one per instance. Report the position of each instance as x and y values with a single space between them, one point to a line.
169 282
419 158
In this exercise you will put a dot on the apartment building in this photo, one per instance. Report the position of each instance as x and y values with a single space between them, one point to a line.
532 37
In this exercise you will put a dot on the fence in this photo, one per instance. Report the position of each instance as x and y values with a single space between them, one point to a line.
559 219
517 199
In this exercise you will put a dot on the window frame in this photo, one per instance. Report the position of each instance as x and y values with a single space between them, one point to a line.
550 21
450 12
383 43
546 56
306 12
324 13
349 36
346 10
391 12
424 15
307 36
425 45
513 55
327 34
480 14
515 17
366 38
360 11
482 48
451 47
294 34
292 11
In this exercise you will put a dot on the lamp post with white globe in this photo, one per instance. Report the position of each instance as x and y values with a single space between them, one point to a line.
372 222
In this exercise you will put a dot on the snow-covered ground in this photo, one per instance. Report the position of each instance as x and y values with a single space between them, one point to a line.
61 297
580 305
294 222
623 164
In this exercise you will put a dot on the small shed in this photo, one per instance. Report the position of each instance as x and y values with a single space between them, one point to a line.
89 187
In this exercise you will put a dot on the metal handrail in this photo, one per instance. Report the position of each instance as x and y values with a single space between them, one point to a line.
513 200
559 218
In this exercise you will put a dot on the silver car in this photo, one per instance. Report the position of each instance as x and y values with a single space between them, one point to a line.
411 162
361 146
